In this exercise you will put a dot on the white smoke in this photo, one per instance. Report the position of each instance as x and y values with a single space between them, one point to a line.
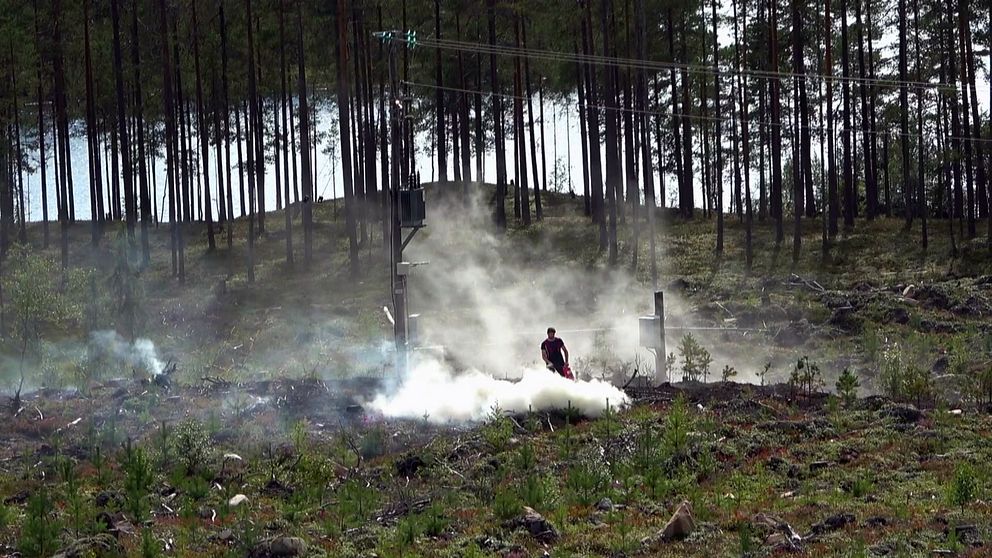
434 391
140 355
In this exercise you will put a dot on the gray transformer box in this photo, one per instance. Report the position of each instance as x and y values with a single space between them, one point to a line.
650 332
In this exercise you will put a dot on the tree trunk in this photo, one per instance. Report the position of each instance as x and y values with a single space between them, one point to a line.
921 196
871 193
343 108
833 205
285 128
170 130
904 115
306 171
441 145
203 133
592 125
520 139
145 209
613 176
965 100
850 196
538 211
497 122
776 109
41 137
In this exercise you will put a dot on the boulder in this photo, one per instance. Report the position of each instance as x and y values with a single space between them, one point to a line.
681 524
539 527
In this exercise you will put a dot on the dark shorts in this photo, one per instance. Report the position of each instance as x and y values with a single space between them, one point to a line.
559 367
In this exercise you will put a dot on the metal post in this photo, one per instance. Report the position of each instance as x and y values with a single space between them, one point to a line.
399 281
661 351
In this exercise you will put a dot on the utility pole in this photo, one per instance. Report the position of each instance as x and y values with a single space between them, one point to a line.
396 234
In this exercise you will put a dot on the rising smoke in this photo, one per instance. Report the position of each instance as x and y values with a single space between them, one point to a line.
488 302
435 392
108 345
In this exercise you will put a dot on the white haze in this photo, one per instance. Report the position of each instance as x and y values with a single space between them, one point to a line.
140 355
489 307
435 392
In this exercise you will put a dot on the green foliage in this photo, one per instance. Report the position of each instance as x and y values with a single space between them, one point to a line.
905 373
847 387
805 378
149 545
963 486
357 499
585 480
695 360
497 430
506 504
373 443
39 298
678 424
137 480
39 534
190 444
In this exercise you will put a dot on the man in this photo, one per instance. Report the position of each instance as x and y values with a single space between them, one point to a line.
551 351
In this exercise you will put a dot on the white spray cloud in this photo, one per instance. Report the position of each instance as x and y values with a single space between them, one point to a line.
433 390
139 355
488 299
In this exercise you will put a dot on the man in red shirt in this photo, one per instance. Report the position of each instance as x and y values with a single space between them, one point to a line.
552 350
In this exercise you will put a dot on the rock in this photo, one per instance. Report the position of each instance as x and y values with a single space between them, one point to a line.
106 497
847 455
605 505
287 546
224 536
206 513
409 465
775 463
832 523
818 465
237 500
845 319
777 532
103 544
876 521
897 315
883 549
539 528
967 535
681 524
902 412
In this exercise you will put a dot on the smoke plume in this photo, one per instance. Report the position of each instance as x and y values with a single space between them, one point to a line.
437 393
140 355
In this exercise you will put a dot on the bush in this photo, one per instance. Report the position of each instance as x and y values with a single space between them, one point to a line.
963 485
806 378
695 360
847 387
190 444
498 430
39 536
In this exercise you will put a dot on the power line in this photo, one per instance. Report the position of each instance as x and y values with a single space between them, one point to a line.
482 48
698 117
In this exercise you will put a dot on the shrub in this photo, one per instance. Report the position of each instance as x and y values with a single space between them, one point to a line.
847 387
805 378
963 486
498 429
39 535
728 373
190 444
695 360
